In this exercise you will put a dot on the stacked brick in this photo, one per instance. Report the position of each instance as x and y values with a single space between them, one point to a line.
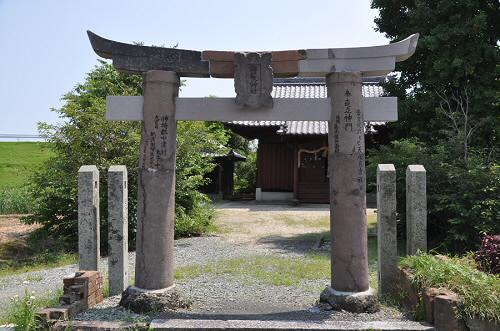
82 291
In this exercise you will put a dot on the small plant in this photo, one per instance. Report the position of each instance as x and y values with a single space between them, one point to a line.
488 256
23 312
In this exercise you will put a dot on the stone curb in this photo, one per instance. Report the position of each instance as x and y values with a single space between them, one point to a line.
97 326
227 325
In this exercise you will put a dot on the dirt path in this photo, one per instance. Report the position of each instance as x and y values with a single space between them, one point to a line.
11 228
259 225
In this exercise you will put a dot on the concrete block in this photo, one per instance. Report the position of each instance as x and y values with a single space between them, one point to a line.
386 228
407 292
477 324
88 217
416 209
428 297
118 229
445 313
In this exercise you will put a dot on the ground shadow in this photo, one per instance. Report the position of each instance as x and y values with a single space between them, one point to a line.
318 315
301 243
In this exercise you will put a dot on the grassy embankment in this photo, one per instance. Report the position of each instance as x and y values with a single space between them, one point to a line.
19 251
480 291
17 161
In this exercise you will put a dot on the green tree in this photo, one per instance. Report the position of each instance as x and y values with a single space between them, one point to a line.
86 137
449 89
448 113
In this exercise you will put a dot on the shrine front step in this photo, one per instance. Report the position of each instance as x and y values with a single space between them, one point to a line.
258 325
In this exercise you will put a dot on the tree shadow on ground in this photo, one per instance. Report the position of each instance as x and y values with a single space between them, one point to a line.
310 315
302 243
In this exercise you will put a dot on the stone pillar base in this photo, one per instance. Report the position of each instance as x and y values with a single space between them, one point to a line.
141 301
354 302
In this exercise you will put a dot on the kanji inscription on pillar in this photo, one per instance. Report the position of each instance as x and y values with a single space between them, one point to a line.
253 80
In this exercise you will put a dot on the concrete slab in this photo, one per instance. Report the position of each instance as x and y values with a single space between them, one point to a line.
227 325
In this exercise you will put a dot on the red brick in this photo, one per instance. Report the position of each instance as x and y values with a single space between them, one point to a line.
60 313
217 56
285 68
278 56
221 69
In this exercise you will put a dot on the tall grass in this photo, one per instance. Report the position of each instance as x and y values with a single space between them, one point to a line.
15 200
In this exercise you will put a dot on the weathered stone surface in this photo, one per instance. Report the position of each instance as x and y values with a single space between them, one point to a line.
140 59
416 209
97 326
140 301
274 325
477 324
253 80
129 108
408 294
386 228
156 189
88 217
445 313
428 301
346 167
359 302
118 229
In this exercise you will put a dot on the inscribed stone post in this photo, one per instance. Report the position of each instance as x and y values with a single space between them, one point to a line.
350 288
88 217
346 167
416 209
118 229
386 228
156 192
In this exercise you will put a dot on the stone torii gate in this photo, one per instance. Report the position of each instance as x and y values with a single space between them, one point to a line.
345 109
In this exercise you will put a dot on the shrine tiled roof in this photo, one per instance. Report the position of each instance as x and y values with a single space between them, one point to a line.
306 88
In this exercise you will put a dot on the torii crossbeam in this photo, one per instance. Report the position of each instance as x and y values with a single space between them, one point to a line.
345 109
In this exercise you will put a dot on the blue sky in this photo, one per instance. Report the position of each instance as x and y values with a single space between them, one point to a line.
44 49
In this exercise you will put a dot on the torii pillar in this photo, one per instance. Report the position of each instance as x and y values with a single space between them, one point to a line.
154 266
350 287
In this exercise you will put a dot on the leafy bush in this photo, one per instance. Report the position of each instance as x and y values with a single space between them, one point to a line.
245 174
86 137
480 292
462 199
488 256
15 200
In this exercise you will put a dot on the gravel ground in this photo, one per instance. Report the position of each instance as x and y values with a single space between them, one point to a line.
215 296
45 282
237 298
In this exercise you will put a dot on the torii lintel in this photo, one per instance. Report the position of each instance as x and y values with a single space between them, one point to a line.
370 61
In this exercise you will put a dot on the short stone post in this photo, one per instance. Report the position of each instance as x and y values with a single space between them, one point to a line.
118 229
386 228
154 267
88 217
350 287
416 209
